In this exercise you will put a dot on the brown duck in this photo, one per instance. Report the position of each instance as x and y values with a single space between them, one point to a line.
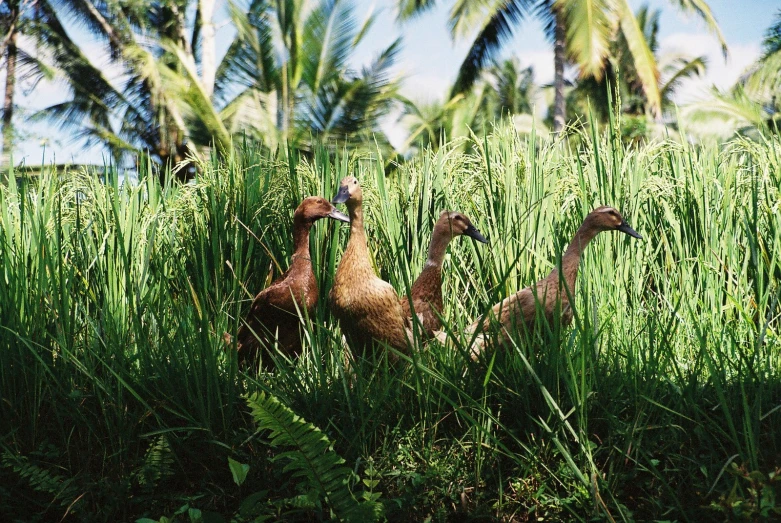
276 312
367 307
551 293
426 292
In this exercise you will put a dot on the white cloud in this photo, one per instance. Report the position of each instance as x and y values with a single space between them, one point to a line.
719 73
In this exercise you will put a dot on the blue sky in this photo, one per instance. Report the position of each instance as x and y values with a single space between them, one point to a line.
430 59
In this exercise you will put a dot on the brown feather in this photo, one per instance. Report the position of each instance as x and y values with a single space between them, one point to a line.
278 312
552 293
426 292
367 307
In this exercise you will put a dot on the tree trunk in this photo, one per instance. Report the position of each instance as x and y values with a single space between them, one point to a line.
208 52
559 43
10 84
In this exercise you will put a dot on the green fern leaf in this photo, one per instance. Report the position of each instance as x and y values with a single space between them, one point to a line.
310 457
63 490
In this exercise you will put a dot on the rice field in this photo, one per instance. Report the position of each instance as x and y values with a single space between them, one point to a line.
662 400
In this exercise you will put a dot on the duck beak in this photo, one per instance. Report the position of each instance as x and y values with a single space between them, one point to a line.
624 227
472 232
340 216
342 196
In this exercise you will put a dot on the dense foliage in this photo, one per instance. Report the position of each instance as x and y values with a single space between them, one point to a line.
119 401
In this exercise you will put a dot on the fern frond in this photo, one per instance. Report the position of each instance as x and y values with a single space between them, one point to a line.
62 490
311 458
158 464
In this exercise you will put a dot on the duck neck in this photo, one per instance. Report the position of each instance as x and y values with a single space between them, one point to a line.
437 248
356 220
431 276
357 250
571 258
301 258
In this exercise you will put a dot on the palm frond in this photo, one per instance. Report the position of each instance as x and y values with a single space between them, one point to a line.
590 29
351 105
250 59
205 123
497 27
368 23
763 80
734 109
702 9
253 113
102 19
771 44
679 70
644 60
327 42
409 9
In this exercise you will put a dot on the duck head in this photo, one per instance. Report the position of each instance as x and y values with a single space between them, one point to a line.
349 192
609 219
315 208
458 224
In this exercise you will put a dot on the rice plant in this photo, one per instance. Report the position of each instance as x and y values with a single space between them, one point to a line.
121 401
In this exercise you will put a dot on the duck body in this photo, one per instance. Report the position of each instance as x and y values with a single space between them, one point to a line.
367 308
519 311
277 312
426 296
551 295
426 291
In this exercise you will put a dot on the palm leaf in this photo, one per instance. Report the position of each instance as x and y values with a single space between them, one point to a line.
250 59
735 108
496 28
190 90
771 44
327 42
104 20
763 80
367 24
702 9
254 112
589 33
409 9
679 70
644 61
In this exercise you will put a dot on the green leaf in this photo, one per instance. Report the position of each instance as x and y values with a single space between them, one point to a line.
311 459
589 31
238 471
195 515
645 63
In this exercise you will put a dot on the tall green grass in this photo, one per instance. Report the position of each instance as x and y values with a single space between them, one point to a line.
119 399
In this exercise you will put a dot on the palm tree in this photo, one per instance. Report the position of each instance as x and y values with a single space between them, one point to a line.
505 89
763 80
16 18
433 124
621 74
284 78
753 105
581 32
157 95
306 92
512 88
9 22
